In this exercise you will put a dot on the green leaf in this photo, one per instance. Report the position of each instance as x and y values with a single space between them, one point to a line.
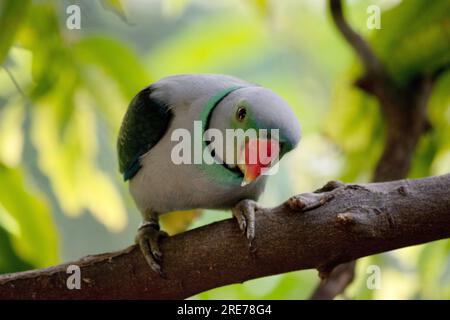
12 13
173 7
431 264
210 46
354 123
263 7
9 260
29 221
11 135
414 39
69 161
41 35
104 53
115 6
432 156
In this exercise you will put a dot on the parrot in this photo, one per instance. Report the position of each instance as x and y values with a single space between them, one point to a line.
186 103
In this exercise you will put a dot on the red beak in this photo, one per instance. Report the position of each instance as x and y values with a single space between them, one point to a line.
258 155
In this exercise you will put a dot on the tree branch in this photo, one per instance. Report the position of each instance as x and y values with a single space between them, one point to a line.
356 221
371 63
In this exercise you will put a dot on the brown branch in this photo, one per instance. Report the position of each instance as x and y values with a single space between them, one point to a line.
405 116
357 221
371 63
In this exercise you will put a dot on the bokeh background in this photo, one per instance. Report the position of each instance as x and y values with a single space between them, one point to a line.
64 92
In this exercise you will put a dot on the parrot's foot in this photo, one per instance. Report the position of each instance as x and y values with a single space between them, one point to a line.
244 212
148 238
309 201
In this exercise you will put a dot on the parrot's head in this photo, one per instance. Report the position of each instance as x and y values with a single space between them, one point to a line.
265 129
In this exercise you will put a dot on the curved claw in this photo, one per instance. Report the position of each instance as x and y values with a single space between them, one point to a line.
244 212
148 238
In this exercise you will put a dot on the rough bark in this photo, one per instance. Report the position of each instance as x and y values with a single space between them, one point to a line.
314 230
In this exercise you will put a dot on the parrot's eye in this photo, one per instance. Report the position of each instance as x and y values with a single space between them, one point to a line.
241 113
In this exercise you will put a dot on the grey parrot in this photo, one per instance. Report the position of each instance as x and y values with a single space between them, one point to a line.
151 131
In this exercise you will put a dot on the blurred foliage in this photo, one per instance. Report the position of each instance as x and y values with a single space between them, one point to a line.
406 28
409 26
64 92
11 15
116 7
26 218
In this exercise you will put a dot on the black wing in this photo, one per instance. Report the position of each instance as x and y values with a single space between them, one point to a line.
144 124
